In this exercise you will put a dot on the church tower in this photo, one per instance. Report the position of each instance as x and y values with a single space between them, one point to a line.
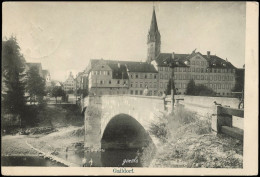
153 40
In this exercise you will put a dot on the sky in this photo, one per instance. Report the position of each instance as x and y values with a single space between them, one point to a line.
64 36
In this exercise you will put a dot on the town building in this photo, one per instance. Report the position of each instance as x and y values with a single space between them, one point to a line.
209 70
109 77
69 84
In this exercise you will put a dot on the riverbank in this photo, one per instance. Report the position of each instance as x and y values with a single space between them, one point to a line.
189 143
60 129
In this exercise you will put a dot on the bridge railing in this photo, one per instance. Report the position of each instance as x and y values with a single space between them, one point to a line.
222 121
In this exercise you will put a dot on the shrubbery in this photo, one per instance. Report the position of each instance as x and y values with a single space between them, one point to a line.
171 126
199 90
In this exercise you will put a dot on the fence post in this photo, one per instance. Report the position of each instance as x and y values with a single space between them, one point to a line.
219 119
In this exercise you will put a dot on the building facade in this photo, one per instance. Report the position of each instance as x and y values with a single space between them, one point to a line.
111 77
69 84
209 70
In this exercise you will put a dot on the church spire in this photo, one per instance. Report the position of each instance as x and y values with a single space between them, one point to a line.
153 39
153 27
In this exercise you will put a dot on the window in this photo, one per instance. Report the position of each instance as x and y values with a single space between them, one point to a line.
193 69
198 77
131 92
202 77
215 77
161 68
202 70
161 76
197 62
223 78
180 69
136 92
151 86
136 84
219 78
131 84
161 84
118 81
151 76
166 69
166 76
109 81
108 73
223 86
141 84
184 85
141 92
154 85
184 69
193 62
202 63
197 70
219 86
155 76
145 76
175 69
131 76
136 76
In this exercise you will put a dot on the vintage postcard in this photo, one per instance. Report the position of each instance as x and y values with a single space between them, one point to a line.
129 88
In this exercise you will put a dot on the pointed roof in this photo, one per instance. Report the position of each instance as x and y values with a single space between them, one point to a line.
154 26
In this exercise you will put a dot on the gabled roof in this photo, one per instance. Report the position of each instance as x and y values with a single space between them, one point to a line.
213 60
181 58
120 68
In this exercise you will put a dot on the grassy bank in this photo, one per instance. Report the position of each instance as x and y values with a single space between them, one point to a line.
187 141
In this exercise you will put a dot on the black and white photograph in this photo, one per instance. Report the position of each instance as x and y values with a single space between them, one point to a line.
126 86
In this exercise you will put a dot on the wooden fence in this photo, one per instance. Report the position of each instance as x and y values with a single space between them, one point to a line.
222 121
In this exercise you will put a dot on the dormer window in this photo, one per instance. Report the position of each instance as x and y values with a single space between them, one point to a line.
102 66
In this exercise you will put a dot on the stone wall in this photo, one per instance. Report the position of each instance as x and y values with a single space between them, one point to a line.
204 106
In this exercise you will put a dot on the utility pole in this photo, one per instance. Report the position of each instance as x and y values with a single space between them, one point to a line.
172 64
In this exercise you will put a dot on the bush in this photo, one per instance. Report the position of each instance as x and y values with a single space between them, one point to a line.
182 121
199 90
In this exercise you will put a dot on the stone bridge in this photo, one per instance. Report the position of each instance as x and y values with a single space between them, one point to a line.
102 111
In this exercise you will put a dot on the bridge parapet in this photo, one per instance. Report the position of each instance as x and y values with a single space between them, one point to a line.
144 109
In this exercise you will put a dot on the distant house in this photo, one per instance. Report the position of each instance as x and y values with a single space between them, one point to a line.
70 83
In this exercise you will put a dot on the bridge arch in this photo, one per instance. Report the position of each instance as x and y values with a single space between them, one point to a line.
126 132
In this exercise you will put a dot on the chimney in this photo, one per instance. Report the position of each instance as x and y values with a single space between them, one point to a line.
118 64
208 54
172 55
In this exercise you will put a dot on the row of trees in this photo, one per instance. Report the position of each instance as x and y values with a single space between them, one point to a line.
16 82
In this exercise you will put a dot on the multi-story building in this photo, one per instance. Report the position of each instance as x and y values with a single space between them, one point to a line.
142 75
124 77
69 84
209 70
